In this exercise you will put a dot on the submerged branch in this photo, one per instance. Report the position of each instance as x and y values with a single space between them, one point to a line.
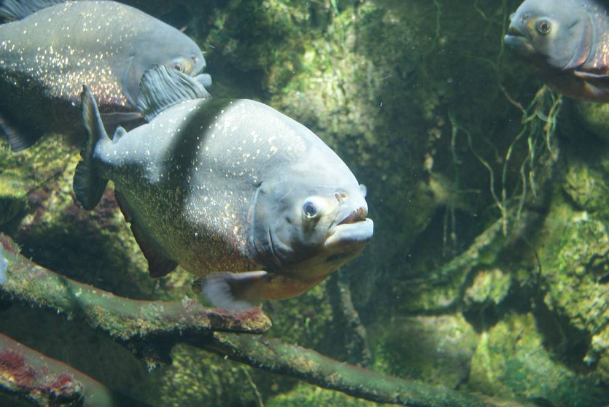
30 376
44 382
310 366
147 326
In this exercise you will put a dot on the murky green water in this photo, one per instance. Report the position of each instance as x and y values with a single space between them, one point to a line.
488 272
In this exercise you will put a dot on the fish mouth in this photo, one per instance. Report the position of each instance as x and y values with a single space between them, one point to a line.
353 230
356 216
204 79
518 41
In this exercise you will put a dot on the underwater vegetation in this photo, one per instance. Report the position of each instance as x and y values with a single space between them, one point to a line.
487 280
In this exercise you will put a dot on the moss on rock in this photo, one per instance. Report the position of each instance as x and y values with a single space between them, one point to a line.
595 117
435 350
511 361
489 288
310 396
574 254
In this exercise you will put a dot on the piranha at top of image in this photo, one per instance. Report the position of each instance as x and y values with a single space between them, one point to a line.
566 42
233 191
50 48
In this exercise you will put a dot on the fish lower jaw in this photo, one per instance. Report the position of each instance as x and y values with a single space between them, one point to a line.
519 44
347 236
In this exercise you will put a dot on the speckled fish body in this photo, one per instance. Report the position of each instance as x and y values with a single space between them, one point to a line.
235 186
47 57
566 42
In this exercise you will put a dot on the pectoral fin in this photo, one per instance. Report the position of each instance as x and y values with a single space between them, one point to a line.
19 137
591 75
596 85
242 291
162 88
232 291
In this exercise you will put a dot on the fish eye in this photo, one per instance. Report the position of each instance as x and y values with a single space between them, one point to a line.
309 210
544 27
183 65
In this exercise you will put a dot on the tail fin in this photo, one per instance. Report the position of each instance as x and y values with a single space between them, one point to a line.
88 185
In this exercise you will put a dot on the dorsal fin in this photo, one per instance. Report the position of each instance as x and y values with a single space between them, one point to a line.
163 87
20 9
118 134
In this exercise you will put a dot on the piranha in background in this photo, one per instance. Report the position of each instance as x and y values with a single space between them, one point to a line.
53 47
233 191
567 44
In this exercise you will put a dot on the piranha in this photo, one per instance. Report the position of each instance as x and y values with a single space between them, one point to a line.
233 191
566 42
53 47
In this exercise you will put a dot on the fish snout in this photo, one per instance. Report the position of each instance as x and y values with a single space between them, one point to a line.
517 37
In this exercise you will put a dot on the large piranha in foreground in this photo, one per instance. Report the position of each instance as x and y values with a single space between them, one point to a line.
233 191
566 42
53 47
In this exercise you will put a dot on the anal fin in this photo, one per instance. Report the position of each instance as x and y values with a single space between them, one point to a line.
19 138
242 291
158 264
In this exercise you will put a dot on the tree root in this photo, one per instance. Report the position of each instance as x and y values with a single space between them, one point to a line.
149 328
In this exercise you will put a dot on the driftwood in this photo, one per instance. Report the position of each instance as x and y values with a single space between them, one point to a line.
44 382
152 328
317 369
149 328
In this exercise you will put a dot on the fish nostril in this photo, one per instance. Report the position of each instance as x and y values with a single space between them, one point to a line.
341 198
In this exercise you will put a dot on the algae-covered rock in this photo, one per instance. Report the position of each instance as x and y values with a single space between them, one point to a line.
490 288
309 396
586 186
595 117
574 254
511 361
432 349
198 378
13 193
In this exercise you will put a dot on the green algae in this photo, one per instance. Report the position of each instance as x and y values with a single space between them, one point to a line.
595 117
489 288
309 396
432 349
511 361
